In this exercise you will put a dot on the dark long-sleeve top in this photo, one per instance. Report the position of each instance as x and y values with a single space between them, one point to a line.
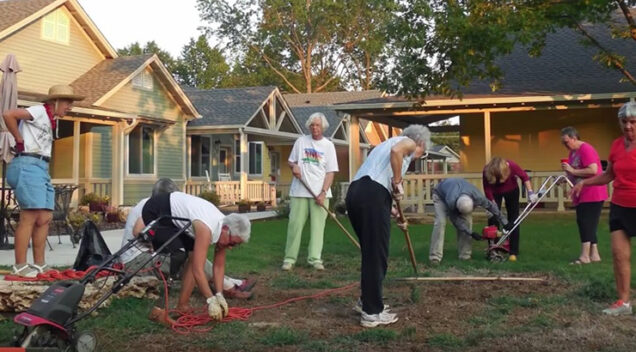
452 188
508 185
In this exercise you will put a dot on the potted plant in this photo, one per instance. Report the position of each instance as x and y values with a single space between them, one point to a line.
95 202
243 206
112 214
260 206
211 197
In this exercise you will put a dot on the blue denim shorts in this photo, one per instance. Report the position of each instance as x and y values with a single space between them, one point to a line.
29 177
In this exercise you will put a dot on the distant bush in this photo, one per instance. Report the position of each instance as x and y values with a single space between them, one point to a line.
211 197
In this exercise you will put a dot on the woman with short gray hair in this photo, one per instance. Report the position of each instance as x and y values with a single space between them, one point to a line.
621 168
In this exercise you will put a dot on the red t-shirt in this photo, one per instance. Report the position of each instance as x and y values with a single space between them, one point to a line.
624 169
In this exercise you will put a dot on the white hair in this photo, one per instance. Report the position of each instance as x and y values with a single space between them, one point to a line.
318 115
464 204
419 134
627 110
239 225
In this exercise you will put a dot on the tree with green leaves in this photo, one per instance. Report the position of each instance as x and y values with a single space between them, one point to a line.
151 47
311 45
440 46
201 65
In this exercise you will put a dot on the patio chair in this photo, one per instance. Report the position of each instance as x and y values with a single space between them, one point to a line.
63 195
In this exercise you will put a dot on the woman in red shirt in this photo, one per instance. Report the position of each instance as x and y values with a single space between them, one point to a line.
621 168
500 182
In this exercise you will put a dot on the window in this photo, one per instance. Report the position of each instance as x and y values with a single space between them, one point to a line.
143 81
200 156
141 150
56 27
255 158
237 156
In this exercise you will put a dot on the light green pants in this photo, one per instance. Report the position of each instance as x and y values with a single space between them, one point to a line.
299 209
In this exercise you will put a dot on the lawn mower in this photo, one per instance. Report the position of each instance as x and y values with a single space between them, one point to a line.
49 324
498 249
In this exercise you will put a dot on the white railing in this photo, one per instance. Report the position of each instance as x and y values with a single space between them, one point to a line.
100 186
229 192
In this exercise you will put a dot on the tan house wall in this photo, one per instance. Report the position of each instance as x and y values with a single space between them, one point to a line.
45 63
532 139
154 103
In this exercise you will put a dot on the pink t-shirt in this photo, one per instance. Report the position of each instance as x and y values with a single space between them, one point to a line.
580 159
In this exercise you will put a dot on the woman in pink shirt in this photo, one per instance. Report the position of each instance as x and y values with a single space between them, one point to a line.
500 182
621 168
583 162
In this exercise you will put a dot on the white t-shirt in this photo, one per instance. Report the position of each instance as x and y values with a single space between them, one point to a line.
133 216
37 133
378 163
315 158
195 208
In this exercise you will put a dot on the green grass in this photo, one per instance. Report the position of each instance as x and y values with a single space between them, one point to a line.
548 244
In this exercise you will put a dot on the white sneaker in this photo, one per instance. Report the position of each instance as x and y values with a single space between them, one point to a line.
287 266
25 271
373 320
358 307
619 308
318 266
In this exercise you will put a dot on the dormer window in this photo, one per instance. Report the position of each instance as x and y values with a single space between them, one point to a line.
143 81
56 27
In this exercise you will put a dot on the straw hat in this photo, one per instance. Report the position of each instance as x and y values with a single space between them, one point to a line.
62 91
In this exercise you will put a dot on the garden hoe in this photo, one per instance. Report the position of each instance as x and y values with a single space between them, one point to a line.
407 237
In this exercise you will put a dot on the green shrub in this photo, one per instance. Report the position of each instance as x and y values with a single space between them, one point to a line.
211 197
89 198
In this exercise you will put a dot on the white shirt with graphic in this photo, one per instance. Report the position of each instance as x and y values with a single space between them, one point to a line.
315 158
37 133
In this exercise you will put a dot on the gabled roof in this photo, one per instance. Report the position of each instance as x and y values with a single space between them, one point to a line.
108 76
330 98
16 14
302 115
227 107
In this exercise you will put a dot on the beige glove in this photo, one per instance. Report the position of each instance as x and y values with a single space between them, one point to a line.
214 308
222 303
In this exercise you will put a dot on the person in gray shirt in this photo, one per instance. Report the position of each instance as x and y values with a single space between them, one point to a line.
456 198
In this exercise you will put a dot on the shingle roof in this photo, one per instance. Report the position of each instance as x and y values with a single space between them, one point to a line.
565 66
302 115
330 98
234 106
14 11
104 76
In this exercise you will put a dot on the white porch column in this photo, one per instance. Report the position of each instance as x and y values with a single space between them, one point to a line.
355 158
118 166
76 159
487 136
244 163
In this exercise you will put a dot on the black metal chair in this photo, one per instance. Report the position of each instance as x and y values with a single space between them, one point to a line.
63 195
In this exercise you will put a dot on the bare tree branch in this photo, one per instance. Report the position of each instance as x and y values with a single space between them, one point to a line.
628 16
280 74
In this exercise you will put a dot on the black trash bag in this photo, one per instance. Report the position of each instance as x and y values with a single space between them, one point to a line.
93 249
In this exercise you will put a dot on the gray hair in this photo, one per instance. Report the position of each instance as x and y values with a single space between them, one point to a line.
627 110
570 132
239 225
318 115
464 204
163 186
419 134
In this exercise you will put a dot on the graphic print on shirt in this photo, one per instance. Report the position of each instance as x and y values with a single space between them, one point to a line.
313 156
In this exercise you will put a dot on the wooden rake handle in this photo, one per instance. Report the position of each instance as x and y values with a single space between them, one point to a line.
407 237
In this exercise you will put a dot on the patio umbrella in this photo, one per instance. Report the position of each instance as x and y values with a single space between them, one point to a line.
8 100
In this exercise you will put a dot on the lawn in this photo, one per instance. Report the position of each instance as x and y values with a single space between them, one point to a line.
562 313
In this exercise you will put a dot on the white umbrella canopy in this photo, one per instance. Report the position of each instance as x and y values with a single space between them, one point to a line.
8 100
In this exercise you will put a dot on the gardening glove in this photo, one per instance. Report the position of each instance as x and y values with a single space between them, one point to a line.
214 308
398 190
533 197
475 236
222 303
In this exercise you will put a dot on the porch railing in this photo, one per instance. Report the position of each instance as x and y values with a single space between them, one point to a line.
229 192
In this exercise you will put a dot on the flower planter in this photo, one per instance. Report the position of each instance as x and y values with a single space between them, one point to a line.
112 217
97 207
260 207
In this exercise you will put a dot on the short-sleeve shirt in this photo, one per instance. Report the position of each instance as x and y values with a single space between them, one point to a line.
506 186
315 158
37 133
624 169
585 156
378 163
133 216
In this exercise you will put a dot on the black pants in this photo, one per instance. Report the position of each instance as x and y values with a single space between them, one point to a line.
512 208
369 208
587 217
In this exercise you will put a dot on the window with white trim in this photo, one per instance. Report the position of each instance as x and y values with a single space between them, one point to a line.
199 156
255 158
143 81
141 151
237 156
56 27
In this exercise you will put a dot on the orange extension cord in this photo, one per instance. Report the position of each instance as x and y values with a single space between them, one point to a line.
198 319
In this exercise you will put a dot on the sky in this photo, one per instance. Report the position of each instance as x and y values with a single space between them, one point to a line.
169 23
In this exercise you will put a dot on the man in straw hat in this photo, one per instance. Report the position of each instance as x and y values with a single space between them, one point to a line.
28 173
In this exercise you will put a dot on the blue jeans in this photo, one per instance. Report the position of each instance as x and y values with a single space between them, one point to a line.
29 177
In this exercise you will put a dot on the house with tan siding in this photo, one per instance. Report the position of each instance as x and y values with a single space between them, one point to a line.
131 128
